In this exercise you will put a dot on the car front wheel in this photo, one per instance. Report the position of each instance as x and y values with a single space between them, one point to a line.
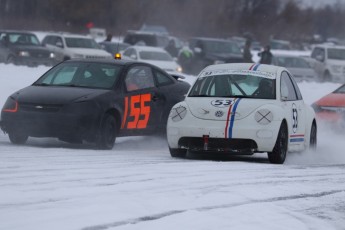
313 137
108 133
278 155
17 137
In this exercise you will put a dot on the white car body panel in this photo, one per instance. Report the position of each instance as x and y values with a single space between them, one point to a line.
238 118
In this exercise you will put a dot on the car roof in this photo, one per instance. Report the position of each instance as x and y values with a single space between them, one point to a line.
108 61
329 46
245 66
148 48
65 34
17 31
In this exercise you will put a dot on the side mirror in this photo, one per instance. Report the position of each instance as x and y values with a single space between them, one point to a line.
133 56
59 44
319 58
197 50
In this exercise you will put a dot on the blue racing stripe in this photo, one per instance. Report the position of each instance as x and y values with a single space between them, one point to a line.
256 67
233 118
297 140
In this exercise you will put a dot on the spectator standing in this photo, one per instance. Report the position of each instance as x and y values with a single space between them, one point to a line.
247 55
109 37
171 48
185 58
266 56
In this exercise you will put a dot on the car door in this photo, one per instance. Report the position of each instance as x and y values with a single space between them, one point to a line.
295 111
141 112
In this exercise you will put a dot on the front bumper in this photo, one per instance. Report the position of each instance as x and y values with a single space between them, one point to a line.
52 122
247 135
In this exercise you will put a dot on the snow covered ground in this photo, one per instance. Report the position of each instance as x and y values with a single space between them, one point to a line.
48 184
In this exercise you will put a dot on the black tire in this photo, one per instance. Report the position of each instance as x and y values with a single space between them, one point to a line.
326 77
313 137
17 137
10 60
278 155
107 133
180 153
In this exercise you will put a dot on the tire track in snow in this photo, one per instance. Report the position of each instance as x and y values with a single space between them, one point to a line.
207 208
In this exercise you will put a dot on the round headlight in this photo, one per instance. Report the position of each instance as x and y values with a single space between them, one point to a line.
263 116
178 113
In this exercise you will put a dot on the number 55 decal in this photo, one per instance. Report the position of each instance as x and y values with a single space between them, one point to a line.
139 112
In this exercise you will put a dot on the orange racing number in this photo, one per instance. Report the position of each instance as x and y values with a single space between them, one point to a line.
139 111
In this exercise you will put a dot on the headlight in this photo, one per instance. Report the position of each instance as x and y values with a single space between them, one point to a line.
179 69
336 68
263 116
24 54
178 113
216 62
52 55
11 106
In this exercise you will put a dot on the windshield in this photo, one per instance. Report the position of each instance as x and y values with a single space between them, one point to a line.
91 75
222 47
21 39
230 85
291 62
336 54
155 55
341 89
82 43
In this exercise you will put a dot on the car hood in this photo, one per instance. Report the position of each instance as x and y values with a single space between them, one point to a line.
216 109
333 99
224 56
55 95
87 51
336 62
166 65
31 48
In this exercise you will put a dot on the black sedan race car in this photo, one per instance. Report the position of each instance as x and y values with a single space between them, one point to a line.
93 101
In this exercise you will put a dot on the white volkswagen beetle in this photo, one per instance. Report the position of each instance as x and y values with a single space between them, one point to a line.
242 109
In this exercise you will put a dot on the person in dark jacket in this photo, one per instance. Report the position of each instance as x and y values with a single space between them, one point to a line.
171 48
266 56
247 55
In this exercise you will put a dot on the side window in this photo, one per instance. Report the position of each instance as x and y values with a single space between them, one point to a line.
163 79
287 90
139 77
298 92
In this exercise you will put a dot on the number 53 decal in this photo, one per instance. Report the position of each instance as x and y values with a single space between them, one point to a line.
139 113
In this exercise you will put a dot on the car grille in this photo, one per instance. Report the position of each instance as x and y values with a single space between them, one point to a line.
219 144
95 57
39 107
39 54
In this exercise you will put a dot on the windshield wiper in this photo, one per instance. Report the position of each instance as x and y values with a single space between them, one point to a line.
200 95
41 84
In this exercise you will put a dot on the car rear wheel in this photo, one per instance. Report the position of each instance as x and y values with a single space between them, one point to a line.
17 137
278 155
108 133
313 137
181 153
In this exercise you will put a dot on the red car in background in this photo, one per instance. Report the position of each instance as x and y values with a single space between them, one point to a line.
331 108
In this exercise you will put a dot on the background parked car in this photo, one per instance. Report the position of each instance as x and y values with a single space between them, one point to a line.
75 46
24 48
153 55
330 109
146 38
209 51
298 66
329 62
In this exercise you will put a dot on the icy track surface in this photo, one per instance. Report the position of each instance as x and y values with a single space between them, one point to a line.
48 184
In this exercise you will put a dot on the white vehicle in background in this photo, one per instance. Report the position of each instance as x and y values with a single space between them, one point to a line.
298 66
242 109
329 62
74 46
153 55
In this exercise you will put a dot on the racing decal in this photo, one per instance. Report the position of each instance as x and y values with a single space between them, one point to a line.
263 116
253 72
137 111
231 118
222 103
297 138
254 67
294 118
177 114
219 113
